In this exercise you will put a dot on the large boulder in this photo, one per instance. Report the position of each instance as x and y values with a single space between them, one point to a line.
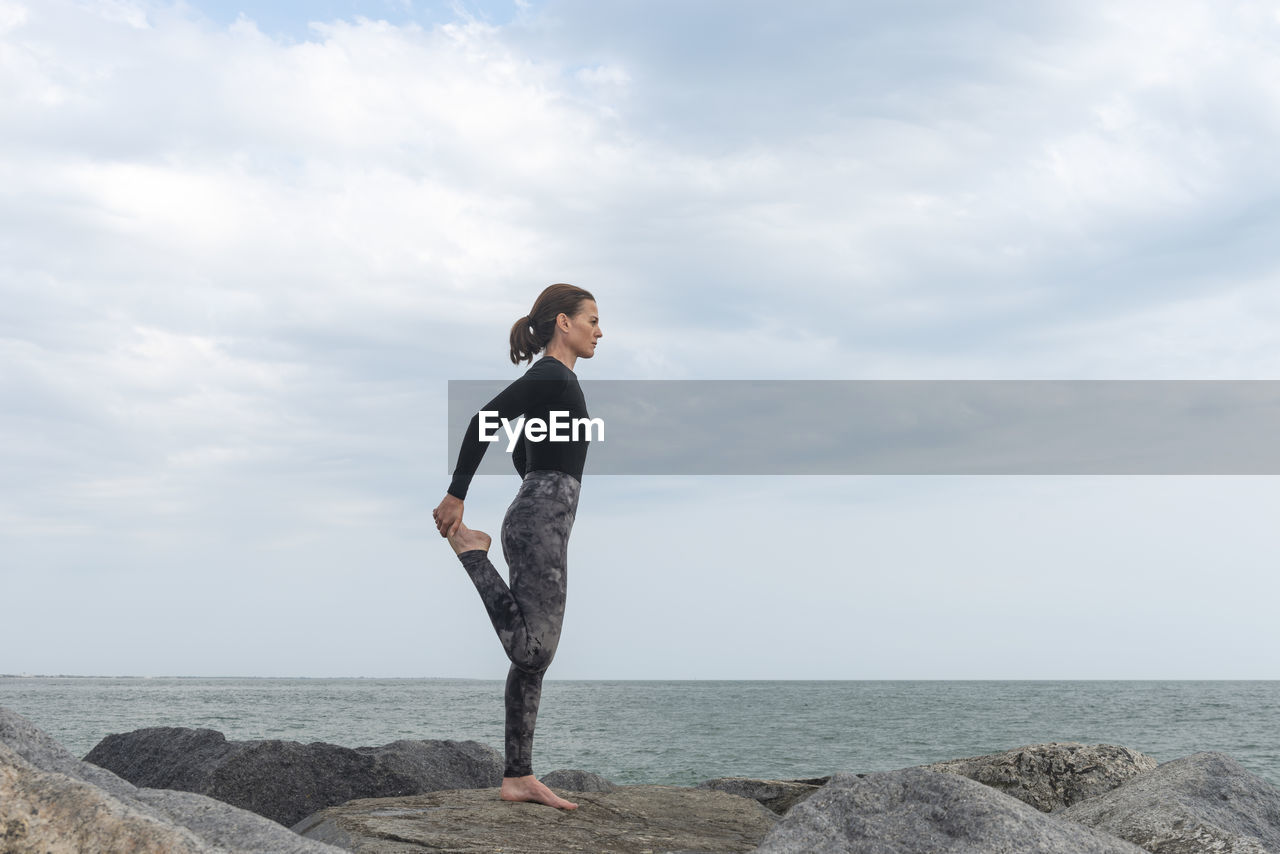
287 781
44 811
38 747
916 811
777 795
1201 803
629 820
1052 776
51 802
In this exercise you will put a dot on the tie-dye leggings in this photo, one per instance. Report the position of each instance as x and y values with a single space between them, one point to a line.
527 614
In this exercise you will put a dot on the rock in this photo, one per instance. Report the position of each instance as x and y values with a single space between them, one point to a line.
777 795
1052 776
51 802
46 812
37 747
917 811
231 828
162 757
578 781
287 781
446 764
1202 803
628 820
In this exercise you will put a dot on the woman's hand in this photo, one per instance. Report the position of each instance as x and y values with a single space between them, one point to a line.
448 515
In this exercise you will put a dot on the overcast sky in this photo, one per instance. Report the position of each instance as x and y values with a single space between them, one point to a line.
243 250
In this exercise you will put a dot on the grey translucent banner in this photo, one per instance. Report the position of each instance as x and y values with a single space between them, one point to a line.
804 427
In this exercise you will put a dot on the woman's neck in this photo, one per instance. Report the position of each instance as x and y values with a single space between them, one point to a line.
562 354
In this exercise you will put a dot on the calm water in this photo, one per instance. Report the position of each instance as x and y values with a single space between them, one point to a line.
684 732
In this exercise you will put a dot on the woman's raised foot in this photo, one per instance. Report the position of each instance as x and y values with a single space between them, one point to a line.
532 790
465 540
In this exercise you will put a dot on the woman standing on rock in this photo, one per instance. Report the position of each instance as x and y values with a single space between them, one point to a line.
527 614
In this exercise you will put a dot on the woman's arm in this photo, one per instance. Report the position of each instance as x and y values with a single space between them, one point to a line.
448 513
512 402
540 382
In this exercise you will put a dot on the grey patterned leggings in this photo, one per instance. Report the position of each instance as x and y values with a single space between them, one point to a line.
527 614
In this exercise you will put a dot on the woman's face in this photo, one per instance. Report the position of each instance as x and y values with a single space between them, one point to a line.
584 330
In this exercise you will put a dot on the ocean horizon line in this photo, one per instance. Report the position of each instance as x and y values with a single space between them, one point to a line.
969 680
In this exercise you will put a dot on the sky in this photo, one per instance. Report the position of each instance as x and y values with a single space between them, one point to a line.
245 248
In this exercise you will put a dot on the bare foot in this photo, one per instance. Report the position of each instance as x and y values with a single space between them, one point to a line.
531 789
465 539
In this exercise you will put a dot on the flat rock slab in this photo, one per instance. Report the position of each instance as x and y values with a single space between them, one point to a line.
629 820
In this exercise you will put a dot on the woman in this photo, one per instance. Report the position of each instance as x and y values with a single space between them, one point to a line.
528 613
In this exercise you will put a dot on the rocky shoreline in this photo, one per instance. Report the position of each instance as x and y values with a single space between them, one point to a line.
169 789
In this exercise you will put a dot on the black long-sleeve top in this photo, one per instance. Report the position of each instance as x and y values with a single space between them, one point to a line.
547 386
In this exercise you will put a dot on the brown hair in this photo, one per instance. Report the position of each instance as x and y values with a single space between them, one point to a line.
533 332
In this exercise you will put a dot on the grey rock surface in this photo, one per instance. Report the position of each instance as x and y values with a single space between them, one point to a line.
37 747
574 780
1201 803
1052 776
47 812
52 802
917 811
285 780
230 828
629 820
778 795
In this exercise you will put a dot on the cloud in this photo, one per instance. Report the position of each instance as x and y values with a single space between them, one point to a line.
239 268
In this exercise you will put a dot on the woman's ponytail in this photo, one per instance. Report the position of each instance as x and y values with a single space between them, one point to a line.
533 332
523 342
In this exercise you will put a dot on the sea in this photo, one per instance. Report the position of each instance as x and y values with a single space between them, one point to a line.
684 732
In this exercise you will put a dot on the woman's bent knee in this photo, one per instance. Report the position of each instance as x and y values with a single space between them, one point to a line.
534 660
